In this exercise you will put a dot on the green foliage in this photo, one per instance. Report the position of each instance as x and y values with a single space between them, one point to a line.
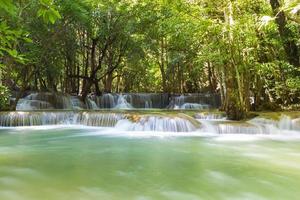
48 11
7 6
4 97
9 37
152 46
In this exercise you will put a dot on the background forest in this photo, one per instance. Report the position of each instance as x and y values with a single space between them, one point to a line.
245 50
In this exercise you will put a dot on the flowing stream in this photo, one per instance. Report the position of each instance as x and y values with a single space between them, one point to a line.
52 162
89 155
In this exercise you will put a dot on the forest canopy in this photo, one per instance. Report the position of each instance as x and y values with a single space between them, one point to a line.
245 50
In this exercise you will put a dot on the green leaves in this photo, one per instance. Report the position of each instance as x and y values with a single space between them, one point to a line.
7 6
48 12
4 97
8 40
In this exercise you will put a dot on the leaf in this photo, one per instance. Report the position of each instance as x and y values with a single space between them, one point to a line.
51 18
12 52
8 7
28 40
41 12
55 13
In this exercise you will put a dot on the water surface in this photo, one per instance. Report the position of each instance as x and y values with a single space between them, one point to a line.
68 163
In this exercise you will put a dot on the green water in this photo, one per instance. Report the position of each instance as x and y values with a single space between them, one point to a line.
76 164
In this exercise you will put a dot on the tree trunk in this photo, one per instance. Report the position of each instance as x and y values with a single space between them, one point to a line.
235 101
286 34
108 82
162 65
89 82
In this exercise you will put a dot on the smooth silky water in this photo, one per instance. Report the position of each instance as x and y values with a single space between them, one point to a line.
88 163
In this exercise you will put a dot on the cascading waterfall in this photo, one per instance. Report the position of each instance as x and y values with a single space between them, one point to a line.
122 103
44 101
11 119
194 106
32 102
98 119
284 123
240 128
124 122
189 102
106 101
212 124
210 116
91 104
24 104
157 123
77 104
48 101
143 100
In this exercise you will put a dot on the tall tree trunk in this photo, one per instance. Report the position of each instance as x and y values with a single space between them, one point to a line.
97 88
89 82
108 82
286 35
211 78
235 101
162 65
84 82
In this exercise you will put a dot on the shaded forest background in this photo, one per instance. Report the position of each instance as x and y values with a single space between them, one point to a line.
245 50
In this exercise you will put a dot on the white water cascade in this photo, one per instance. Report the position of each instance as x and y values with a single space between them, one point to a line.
187 103
44 101
12 119
106 101
157 123
91 104
215 124
122 103
49 101
210 116
31 102
77 104
123 122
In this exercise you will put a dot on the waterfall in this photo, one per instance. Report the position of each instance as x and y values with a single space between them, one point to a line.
139 100
284 123
107 100
156 123
179 101
210 123
241 128
48 101
44 101
24 104
32 102
77 104
210 116
228 127
122 103
98 119
11 119
143 100
188 102
257 125
194 106
91 104
123 122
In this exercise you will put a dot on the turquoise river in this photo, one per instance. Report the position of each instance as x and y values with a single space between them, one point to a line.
64 162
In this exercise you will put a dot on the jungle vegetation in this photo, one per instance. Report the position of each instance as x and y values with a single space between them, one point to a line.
247 51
